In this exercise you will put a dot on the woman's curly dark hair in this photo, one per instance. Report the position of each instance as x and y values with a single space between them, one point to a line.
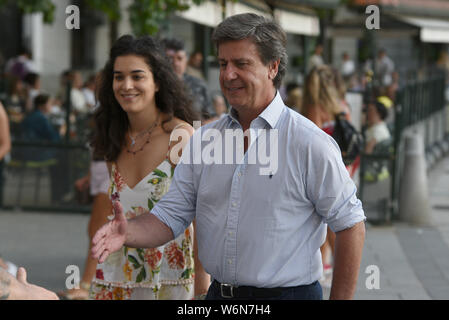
111 122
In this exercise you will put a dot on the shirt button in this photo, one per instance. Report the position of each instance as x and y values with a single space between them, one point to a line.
230 261
239 174
230 233
234 204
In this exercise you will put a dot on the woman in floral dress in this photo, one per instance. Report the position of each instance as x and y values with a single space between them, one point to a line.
133 127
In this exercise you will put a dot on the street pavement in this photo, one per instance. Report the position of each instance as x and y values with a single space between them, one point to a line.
412 261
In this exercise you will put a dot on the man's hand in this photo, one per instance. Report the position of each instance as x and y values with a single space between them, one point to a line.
26 291
112 236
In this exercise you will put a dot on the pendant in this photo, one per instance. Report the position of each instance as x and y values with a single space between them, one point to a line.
133 142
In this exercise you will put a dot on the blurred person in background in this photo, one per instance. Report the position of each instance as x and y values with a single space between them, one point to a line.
64 78
174 49
77 98
17 96
321 103
383 69
89 92
347 68
321 100
2 63
340 86
5 138
376 134
20 65
79 109
33 87
220 105
316 59
36 127
376 129
194 65
442 64
294 96
393 88
5 147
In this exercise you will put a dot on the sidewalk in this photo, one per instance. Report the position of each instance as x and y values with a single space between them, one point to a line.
45 244
413 261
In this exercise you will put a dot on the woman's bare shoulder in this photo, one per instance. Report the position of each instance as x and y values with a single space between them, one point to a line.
2 111
177 123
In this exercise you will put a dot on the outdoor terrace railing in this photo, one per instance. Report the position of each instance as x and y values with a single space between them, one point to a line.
421 106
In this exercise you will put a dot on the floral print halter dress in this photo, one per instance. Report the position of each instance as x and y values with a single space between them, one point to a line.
166 272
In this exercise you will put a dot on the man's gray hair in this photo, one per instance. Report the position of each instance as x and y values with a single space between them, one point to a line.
266 34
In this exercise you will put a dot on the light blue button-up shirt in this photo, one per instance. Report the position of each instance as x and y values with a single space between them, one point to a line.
261 223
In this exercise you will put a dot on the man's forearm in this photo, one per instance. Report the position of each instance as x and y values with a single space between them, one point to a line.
202 278
147 231
348 255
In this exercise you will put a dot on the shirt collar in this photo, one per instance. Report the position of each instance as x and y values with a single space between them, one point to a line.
270 114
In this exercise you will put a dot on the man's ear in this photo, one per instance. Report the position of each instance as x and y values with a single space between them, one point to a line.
273 69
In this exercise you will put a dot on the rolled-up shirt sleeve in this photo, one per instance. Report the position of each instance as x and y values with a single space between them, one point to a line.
329 186
178 206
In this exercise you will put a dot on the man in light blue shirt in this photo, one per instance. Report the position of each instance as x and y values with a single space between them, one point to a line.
261 203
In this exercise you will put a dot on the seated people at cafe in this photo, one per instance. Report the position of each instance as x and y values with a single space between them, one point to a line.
17 96
36 127
377 130
377 137
33 87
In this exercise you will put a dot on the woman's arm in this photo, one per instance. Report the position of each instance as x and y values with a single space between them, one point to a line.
5 138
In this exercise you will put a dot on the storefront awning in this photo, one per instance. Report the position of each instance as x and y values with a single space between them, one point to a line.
431 30
233 8
210 14
297 23
207 13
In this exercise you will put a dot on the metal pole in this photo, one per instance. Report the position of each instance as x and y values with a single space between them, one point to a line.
68 109
206 52
306 55
398 123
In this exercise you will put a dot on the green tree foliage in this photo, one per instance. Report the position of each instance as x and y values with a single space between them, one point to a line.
46 7
146 16
111 8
